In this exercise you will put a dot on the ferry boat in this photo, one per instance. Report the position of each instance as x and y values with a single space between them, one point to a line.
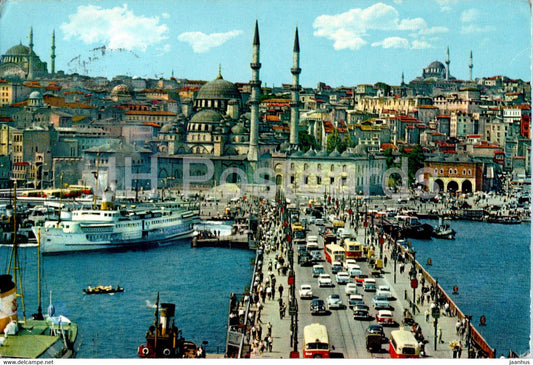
110 229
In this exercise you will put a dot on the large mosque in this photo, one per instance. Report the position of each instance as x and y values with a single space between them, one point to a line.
22 62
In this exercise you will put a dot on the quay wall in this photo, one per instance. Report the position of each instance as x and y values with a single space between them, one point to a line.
474 333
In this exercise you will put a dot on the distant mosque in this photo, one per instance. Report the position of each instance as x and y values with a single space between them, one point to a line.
436 71
22 62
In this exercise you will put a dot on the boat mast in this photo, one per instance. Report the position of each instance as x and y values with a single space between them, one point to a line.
96 177
14 259
39 308
60 195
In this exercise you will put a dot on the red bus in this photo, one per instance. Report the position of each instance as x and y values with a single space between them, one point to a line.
403 344
353 249
316 341
334 252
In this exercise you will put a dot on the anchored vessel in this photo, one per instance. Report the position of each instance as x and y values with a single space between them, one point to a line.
106 228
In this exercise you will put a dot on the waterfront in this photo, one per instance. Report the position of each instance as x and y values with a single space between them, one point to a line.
113 326
491 265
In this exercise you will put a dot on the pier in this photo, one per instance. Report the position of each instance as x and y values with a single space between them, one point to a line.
271 325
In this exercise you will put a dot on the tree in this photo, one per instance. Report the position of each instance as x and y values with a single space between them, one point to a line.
415 158
335 141
306 141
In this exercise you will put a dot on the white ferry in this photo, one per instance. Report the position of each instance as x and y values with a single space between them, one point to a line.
108 229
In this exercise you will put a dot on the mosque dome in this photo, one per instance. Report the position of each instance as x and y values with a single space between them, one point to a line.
436 65
207 116
238 129
18 50
36 95
167 128
219 89
121 89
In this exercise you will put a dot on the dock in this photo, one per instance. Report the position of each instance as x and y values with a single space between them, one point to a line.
229 241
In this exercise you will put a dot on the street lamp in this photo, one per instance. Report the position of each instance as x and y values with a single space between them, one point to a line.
414 281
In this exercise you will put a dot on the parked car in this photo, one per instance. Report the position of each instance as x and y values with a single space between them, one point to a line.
305 291
342 277
334 301
385 317
376 328
381 302
349 264
317 270
384 290
318 307
360 312
354 300
369 285
324 280
351 288
375 336
336 266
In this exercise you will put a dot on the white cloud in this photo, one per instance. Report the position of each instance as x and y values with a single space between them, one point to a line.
420 44
349 30
165 15
201 42
473 28
446 5
392 42
118 28
470 15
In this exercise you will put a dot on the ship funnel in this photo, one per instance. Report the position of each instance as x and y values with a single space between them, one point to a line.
8 301
167 312
107 200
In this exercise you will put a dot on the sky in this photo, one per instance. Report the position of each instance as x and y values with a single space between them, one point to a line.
342 42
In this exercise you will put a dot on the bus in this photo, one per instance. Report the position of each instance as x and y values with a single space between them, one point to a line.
316 341
403 344
353 249
334 252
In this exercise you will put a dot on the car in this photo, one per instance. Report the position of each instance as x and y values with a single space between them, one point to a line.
342 277
350 263
312 219
336 266
316 256
385 317
384 290
381 302
354 300
369 285
319 222
305 291
354 273
324 280
351 288
360 312
376 328
317 270
318 307
360 278
334 301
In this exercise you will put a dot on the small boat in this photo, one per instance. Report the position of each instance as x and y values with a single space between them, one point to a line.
444 231
100 289
164 340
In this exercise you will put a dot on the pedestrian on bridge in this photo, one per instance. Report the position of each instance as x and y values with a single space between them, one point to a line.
280 289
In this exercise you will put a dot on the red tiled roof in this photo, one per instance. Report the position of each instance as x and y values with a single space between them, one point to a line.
272 118
150 112
152 124
386 146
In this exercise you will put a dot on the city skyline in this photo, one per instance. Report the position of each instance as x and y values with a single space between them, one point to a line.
342 43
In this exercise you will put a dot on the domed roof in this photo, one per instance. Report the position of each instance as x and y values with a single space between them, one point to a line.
36 95
322 153
335 153
310 153
18 50
206 116
436 64
238 129
167 128
219 89
121 89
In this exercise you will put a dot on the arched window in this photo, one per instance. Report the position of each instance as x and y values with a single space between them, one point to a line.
332 167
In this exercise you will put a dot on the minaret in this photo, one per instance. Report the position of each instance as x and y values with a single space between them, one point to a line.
471 65
447 63
30 57
403 80
295 92
255 83
53 55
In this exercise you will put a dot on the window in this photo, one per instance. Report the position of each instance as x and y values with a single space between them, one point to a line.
306 180
332 168
332 180
464 171
292 179
318 180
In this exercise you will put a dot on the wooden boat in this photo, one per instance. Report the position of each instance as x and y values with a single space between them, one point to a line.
443 231
164 340
100 289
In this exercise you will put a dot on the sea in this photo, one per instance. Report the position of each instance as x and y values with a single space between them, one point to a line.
489 263
491 266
